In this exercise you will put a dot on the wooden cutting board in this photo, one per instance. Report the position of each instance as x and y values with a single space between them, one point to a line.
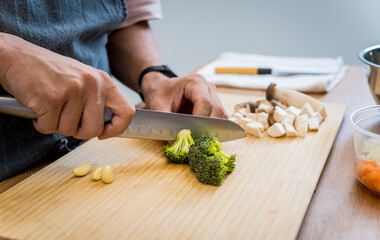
266 196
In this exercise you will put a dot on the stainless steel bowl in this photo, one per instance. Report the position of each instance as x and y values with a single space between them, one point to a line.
371 57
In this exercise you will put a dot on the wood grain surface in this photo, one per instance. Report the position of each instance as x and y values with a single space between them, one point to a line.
266 196
342 208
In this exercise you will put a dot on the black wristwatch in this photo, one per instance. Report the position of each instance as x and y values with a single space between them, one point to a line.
162 69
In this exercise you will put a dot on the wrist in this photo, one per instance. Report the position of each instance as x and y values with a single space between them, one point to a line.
151 78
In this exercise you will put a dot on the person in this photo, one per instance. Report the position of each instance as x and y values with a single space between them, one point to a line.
56 58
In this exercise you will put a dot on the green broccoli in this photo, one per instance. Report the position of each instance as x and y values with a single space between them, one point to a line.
208 162
179 150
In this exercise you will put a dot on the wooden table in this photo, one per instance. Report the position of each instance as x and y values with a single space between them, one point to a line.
341 208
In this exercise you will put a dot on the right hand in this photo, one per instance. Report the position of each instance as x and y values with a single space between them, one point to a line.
69 97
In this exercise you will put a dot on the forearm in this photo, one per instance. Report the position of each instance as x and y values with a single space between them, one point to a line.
130 51
7 43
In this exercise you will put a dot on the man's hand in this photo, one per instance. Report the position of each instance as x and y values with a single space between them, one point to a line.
190 94
69 97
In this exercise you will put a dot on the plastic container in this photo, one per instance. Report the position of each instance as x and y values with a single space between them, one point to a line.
366 127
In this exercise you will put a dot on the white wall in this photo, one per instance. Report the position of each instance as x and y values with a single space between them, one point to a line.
195 31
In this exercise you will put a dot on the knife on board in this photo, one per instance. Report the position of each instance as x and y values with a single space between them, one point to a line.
149 124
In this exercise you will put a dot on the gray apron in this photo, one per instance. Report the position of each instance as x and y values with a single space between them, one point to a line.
75 28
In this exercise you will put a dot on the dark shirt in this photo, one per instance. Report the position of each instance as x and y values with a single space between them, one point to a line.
75 28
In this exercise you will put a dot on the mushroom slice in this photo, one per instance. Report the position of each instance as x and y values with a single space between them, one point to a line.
290 130
293 110
256 129
313 124
251 106
244 122
276 130
279 114
307 109
289 118
263 119
240 106
243 111
276 103
238 116
252 116
318 116
301 125
264 106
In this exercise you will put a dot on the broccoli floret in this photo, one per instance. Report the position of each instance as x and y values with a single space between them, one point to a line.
179 150
208 162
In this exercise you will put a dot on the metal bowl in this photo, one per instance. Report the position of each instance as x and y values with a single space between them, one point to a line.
371 57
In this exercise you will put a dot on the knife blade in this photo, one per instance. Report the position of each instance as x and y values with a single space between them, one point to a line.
149 124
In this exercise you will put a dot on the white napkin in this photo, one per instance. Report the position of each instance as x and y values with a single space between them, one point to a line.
304 83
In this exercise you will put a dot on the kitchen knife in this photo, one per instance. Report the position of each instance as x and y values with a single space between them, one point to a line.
150 124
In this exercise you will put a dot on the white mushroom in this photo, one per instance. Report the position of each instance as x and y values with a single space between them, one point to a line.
276 130
290 130
313 124
279 114
256 129
295 98
264 106
263 119
307 109
293 110
318 116
243 111
238 116
244 122
252 116
301 125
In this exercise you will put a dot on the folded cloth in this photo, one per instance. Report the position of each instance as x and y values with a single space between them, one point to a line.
333 67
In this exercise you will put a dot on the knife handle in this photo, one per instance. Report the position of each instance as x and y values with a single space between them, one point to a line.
11 106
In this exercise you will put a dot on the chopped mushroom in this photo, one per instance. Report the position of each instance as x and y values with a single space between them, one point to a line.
290 130
256 129
301 125
313 124
244 121
295 98
307 109
318 116
279 114
263 119
276 130
293 110
239 106
264 106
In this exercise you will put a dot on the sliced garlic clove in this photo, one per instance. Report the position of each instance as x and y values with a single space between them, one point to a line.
97 174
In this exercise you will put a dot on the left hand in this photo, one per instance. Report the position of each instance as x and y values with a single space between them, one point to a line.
190 94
